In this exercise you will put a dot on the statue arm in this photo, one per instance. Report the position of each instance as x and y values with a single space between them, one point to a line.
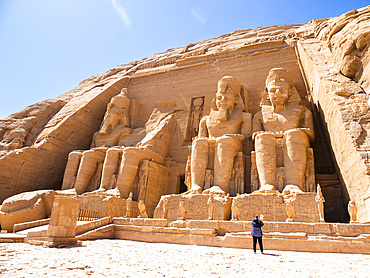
257 124
93 142
203 131
307 125
246 127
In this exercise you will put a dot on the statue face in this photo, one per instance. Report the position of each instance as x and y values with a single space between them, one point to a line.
110 120
225 96
278 92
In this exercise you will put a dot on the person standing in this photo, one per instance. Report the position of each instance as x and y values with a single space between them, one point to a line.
257 234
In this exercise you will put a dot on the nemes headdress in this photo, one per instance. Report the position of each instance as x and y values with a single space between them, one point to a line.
280 75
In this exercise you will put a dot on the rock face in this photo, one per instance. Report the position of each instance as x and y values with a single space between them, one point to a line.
329 64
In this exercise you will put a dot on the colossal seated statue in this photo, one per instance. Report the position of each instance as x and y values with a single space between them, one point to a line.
282 132
154 147
112 157
82 165
220 137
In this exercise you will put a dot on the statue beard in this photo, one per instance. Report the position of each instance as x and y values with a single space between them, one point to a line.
223 114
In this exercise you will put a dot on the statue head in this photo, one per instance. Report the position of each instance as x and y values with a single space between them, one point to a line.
228 93
279 85
279 88
228 98
117 111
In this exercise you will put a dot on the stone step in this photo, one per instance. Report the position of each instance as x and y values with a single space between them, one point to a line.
98 233
289 236
11 237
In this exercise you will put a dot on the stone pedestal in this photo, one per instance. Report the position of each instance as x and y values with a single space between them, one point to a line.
273 208
155 186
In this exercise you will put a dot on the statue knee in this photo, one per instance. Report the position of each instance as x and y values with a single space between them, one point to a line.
265 139
228 142
89 154
225 140
74 155
129 153
200 143
113 151
295 137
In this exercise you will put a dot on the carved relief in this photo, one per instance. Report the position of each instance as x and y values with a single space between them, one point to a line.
196 114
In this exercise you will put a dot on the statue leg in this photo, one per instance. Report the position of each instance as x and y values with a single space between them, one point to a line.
131 158
265 146
295 144
74 159
199 163
226 148
89 162
110 166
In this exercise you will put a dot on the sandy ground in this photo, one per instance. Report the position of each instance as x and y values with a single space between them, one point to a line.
120 258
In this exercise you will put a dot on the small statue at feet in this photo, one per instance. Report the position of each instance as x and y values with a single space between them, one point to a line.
142 209
234 210
128 205
165 208
210 204
352 210
183 211
320 200
289 209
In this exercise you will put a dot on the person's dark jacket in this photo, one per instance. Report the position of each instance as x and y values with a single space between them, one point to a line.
256 230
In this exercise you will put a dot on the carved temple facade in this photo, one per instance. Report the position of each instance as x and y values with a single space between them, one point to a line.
329 65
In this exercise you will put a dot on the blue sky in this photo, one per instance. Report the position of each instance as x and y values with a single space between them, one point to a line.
47 47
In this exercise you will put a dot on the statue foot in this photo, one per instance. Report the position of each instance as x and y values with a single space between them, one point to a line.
266 188
216 190
291 189
100 191
68 192
113 192
195 189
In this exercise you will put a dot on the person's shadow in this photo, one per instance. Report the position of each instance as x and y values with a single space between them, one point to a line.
270 254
